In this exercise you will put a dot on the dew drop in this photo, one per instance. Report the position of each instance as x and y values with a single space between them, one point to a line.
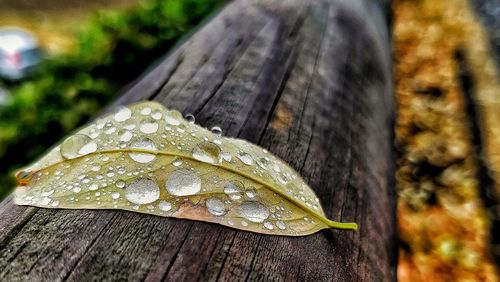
245 158
126 136
120 183
77 145
244 223
156 115
47 193
215 206
253 211
149 127
268 225
115 195
146 111
216 130
190 118
233 187
143 144
45 201
207 152
251 192
173 117
281 225
123 114
262 162
183 182
165 206
142 191
110 130
177 162
93 187
226 156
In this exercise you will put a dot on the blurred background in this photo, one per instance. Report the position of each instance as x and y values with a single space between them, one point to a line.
62 61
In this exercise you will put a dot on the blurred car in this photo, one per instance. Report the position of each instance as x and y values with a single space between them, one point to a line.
20 53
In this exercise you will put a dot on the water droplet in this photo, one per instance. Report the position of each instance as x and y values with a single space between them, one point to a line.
142 191
177 162
146 111
183 182
251 192
45 201
143 144
149 127
262 162
216 131
233 187
126 136
77 145
268 225
215 206
173 117
226 156
283 179
115 195
190 118
123 114
253 211
110 130
281 225
245 158
120 183
207 152
244 223
96 168
165 206
93 187
47 193
156 115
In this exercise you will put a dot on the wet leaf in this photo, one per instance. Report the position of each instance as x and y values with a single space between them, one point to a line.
148 159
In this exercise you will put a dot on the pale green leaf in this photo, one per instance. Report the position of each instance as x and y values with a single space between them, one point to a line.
148 159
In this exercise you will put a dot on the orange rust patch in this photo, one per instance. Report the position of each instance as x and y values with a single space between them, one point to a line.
283 119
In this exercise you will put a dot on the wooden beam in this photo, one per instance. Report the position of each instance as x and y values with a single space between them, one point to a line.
309 80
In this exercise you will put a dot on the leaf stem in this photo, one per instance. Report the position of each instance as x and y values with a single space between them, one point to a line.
343 225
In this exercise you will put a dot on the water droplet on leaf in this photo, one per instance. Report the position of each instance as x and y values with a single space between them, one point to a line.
142 191
207 152
215 206
143 144
123 114
183 182
173 117
149 127
77 145
165 206
245 158
216 131
190 118
253 211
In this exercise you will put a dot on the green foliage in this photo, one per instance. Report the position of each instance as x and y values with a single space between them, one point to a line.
113 49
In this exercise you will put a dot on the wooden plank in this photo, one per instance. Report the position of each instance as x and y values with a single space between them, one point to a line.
310 81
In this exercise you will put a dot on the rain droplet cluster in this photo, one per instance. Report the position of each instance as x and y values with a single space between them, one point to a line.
148 159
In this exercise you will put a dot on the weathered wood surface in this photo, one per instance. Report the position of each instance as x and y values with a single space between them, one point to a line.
310 81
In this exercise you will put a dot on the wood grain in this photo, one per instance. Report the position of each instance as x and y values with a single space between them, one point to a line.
309 80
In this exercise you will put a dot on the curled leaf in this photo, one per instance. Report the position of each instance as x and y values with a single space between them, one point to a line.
148 159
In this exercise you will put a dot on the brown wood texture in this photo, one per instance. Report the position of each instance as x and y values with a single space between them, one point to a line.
309 80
